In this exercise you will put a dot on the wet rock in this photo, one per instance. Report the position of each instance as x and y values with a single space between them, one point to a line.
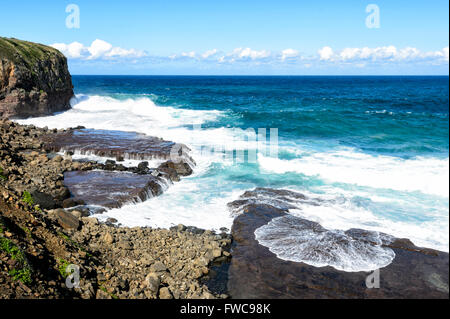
72 202
109 144
111 189
256 272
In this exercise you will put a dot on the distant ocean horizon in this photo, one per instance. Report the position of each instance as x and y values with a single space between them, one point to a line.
376 148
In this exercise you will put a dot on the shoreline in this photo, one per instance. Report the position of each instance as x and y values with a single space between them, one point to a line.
115 262
143 262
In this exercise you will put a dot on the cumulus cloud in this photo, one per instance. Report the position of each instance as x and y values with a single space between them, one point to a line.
248 53
388 54
209 53
357 57
326 53
191 54
98 49
74 50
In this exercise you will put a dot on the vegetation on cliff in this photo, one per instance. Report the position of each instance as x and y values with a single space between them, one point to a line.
34 79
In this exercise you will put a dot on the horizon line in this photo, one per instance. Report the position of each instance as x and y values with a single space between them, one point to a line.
273 75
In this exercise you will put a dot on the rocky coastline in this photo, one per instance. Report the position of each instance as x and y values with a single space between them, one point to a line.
43 223
50 186
257 272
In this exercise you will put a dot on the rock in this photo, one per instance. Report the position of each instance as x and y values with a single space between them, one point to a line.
66 219
111 221
256 272
58 159
158 267
111 189
77 214
164 293
108 239
113 144
152 282
45 201
72 202
126 245
34 79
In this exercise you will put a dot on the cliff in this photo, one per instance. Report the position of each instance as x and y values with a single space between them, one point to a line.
34 79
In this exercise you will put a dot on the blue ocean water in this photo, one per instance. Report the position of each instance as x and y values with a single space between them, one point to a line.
375 148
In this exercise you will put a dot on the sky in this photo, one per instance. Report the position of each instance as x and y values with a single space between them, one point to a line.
197 37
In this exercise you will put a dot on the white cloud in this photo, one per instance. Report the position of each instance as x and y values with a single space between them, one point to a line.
390 53
209 53
248 53
188 54
326 53
289 54
98 49
358 57
75 50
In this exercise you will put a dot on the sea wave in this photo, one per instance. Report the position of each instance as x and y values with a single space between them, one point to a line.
423 174
200 200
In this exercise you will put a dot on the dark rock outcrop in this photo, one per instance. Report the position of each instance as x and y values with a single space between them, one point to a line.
105 143
34 79
112 189
256 272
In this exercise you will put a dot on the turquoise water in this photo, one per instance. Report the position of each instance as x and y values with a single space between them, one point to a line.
374 148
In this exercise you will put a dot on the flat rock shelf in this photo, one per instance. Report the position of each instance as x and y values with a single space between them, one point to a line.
257 272
112 189
106 143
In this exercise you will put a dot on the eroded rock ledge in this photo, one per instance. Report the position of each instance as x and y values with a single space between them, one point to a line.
256 272
29 165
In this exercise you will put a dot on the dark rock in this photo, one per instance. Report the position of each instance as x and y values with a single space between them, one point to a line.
105 143
256 272
72 202
66 220
45 201
111 189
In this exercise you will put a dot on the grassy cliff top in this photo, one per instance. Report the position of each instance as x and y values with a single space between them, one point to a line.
19 51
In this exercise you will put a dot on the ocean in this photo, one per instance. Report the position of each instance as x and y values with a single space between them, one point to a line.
376 149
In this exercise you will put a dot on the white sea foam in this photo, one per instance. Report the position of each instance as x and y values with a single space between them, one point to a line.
200 200
290 239
426 175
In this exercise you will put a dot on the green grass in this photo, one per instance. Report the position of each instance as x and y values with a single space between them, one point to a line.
23 273
2 177
75 244
20 51
113 296
63 264
27 198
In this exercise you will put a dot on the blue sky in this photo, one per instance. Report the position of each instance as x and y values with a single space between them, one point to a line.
238 37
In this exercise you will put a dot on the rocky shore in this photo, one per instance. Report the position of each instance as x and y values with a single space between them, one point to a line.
43 229
256 270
